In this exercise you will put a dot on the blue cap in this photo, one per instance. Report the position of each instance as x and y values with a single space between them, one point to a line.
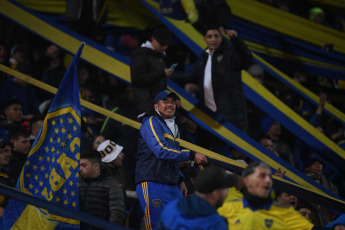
164 94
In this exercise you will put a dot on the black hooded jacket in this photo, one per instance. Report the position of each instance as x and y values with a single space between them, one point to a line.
147 76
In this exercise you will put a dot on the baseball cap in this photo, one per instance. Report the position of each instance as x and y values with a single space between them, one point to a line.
212 178
162 35
109 150
164 94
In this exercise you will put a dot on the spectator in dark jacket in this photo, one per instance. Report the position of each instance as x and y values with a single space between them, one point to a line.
148 70
218 75
200 211
99 193
19 137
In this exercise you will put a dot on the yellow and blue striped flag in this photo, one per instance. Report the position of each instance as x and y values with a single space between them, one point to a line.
51 170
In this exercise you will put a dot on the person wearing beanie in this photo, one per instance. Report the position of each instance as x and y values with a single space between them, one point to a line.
158 177
257 210
313 168
200 210
149 72
317 15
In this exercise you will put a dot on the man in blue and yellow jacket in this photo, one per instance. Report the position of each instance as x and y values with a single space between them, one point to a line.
157 175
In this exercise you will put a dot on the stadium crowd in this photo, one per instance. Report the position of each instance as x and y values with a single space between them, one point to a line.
145 180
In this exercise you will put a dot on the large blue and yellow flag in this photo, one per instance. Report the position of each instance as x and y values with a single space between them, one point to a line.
51 170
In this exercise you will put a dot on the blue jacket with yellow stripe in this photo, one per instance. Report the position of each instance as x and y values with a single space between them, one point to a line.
159 153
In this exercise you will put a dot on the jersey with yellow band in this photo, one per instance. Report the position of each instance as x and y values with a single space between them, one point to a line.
242 216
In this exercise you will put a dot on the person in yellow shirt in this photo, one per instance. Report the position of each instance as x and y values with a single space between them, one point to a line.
256 210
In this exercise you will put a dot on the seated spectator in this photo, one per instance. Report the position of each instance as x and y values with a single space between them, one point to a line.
85 72
19 54
13 116
317 15
99 194
305 210
5 156
13 111
112 158
19 138
200 211
313 168
97 140
256 210
266 141
35 126
91 121
240 156
273 129
89 92
286 199
25 93
51 58
53 70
